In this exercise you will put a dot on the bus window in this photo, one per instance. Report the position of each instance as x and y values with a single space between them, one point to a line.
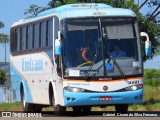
30 36
23 38
13 40
40 26
43 34
50 33
27 40
36 36
19 39
33 35
46 34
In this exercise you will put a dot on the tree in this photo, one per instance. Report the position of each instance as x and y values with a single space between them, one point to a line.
1 24
146 24
34 10
2 77
4 38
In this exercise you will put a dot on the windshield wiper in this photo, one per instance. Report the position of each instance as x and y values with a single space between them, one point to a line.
116 64
90 67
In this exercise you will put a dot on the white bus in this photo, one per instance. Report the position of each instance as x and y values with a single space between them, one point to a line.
48 68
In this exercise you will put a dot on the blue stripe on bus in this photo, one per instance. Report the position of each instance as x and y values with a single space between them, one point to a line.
128 97
16 80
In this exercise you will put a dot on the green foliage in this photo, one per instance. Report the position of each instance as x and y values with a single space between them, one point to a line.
152 78
34 10
2 77
1 24
4 38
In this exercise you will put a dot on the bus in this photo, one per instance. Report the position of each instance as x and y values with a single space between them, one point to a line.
48 69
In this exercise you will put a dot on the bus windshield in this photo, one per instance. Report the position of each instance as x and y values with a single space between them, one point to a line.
101 47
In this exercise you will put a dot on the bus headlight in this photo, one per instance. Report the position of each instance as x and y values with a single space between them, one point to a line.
74 89
134 87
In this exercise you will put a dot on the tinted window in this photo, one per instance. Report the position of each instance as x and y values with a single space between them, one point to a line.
30 36
50 33
36 36
43 34
23 38
27 38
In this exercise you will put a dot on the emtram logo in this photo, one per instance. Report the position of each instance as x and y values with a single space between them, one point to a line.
105 88
6 114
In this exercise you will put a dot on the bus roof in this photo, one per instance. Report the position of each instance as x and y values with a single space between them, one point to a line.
80 10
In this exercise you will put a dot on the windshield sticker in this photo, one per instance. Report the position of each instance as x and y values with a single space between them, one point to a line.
136 64
88 71
75 84
109 66
74 73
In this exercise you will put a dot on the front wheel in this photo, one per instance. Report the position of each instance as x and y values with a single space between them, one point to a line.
79 109
121 108
59 110
86 109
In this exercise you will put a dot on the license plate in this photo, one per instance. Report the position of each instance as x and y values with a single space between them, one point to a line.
105 98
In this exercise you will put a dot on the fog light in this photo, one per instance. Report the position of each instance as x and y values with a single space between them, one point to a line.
136 97
141 96
68 98
73 99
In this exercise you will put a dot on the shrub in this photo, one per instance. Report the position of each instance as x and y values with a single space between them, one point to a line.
2 77
152 77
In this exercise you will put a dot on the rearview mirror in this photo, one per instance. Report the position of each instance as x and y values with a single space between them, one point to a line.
148 44
58 45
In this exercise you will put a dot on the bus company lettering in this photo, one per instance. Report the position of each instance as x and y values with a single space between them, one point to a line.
31 64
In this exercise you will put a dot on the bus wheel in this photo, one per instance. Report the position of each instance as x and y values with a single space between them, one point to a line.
26 106
76 109
86 109
37 108
59 110
121 108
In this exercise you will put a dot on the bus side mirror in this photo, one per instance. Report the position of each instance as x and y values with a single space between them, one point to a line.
148 44
58 45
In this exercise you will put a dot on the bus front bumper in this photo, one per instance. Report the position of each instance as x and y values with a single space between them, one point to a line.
93 99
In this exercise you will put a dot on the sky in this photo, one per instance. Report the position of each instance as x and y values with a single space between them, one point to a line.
11 11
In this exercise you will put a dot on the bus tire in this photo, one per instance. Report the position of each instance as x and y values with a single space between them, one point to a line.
86 109
37 108
83 109
59 110
26 106
121 108
76 109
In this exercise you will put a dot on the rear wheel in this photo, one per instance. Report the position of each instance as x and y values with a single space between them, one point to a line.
121 108
26 106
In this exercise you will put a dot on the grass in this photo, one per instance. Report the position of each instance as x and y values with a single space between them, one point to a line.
10 106
151 103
